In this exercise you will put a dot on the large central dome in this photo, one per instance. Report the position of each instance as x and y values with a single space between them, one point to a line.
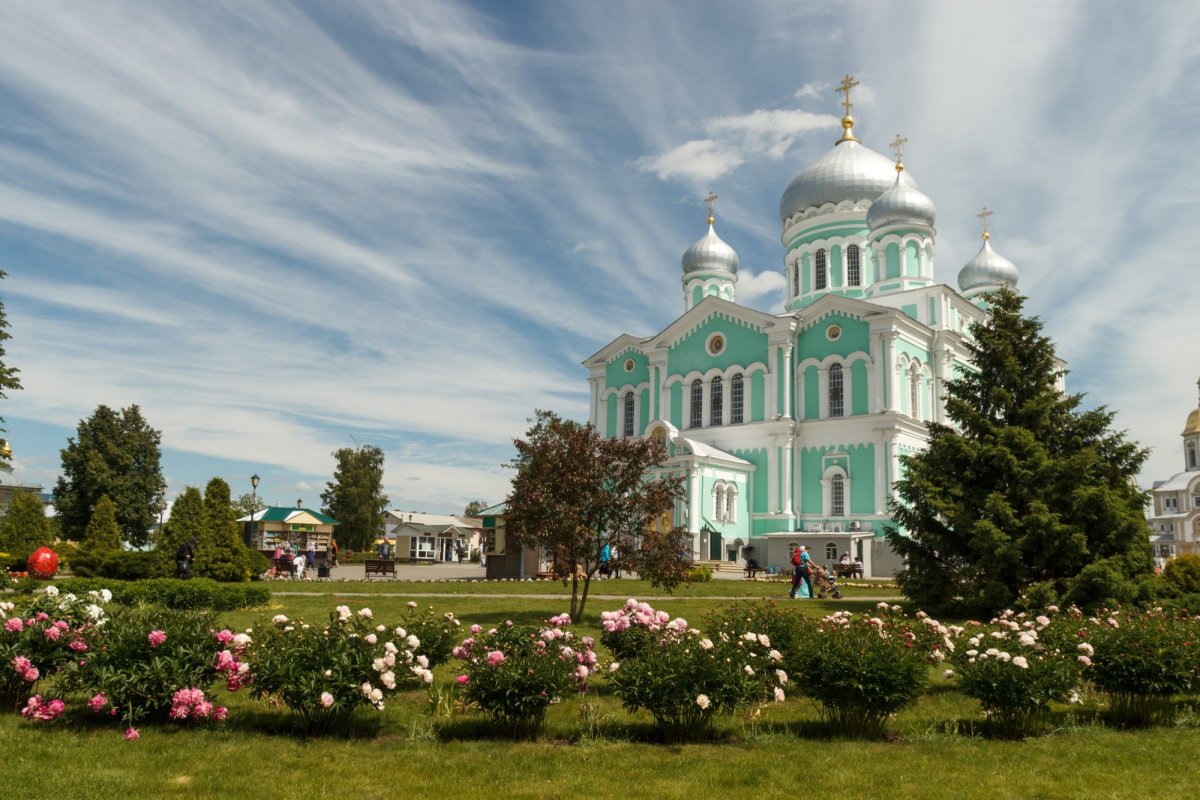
847 172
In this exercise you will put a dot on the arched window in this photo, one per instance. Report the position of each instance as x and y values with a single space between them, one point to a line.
831 551
697 416
837 496
718 502
737 400
629 413
796 277
853 268
820 278
836 406
1191 456
716 398
731 494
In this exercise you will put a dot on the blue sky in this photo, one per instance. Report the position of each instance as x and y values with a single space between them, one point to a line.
282 229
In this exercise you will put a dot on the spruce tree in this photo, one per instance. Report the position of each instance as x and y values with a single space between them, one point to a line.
25 526
220 553
188 521
1025 488
103 532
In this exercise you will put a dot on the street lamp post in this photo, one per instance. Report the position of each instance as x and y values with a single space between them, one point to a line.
162 507
254 479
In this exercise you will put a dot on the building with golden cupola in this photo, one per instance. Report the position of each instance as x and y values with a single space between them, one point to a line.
1175 502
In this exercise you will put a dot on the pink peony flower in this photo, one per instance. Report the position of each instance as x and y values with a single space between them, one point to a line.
31 675
462 679
220 713
224 636
495 658
14 625
53 633
131 734
21 663
157 637
98 702
78 645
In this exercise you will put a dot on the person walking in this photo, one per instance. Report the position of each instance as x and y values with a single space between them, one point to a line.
796 563
806 569
184 557
311 556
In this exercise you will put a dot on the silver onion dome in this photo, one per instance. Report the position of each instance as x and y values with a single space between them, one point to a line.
847 172
709 254
903 203
987 269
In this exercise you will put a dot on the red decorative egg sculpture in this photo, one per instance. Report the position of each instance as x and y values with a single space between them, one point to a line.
43 563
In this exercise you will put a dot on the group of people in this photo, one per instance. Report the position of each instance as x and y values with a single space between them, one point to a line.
804 570
608 561
289 560
855 567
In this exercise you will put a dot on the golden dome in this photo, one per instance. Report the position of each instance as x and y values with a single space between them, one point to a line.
1193 423
6 451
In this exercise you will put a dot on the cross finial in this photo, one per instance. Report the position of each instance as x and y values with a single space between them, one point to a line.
845 86
897 146
712 198
985 215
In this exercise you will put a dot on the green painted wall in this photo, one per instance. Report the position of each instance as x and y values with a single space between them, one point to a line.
644 414
893 260
697 294
862 479
813 343
933 311
812 393
806 273
912 350
828 230
615 375
910 309
610 424
859 464
742 346
810 480
677 405
758 397
757 457
858 387
912 263
836 268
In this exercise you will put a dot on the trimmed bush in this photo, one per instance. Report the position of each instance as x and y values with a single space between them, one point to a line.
121 565
194 594
1183 572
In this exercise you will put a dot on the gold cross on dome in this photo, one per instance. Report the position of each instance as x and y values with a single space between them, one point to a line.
712 198
985 215
897 146
845 86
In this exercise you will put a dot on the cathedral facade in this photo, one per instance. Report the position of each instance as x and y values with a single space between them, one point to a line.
1175 502
788 428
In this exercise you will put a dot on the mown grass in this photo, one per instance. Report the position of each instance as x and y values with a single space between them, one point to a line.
934 749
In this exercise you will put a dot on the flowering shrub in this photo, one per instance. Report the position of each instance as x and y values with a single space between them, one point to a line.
860 671
684 678
324 673
629 631
1013 672
140 658
436 632
37 639
515 672
1140 659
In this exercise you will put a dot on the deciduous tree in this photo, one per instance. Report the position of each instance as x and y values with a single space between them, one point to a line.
575 492
355 496
1025 487
116 454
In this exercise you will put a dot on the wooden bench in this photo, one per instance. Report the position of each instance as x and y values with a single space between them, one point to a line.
380 567
754 569
847 571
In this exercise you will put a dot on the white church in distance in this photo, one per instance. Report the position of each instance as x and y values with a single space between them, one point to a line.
788 427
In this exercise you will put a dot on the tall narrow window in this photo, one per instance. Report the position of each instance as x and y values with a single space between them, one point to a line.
629 412
731 494
716 398
836 405
796 278
697 415
1191 458
718 503
837 496
737 400
820 278
916 393
853 268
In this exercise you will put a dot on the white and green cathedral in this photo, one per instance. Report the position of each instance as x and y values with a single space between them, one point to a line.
788 427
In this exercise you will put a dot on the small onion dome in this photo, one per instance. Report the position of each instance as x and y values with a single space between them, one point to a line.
987 269
847 172
709 254
904 202
1193 423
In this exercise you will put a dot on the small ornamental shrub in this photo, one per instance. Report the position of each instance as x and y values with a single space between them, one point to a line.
194 594
636 627
1183 572
1140 659
1013 672
698 574
860 671
685 678
323 673
40 636
437 633
780 624
513 673
122 565
140 658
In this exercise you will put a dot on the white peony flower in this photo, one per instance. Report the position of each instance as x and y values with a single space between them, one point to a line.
779 695
702 701
1020 661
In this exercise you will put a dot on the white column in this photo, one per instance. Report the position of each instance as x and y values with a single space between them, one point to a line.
594 383
789 488
787 377
694 500
770 382
889 367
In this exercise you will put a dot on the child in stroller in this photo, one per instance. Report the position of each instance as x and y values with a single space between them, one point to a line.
825 583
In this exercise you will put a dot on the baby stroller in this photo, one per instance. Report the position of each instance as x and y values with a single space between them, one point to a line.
825 583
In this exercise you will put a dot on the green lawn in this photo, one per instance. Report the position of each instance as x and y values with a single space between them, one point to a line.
934 750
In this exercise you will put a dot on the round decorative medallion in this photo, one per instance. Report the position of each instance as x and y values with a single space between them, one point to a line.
629 365
833 333
716 345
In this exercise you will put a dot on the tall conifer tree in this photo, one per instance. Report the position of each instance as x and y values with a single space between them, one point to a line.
1025 488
